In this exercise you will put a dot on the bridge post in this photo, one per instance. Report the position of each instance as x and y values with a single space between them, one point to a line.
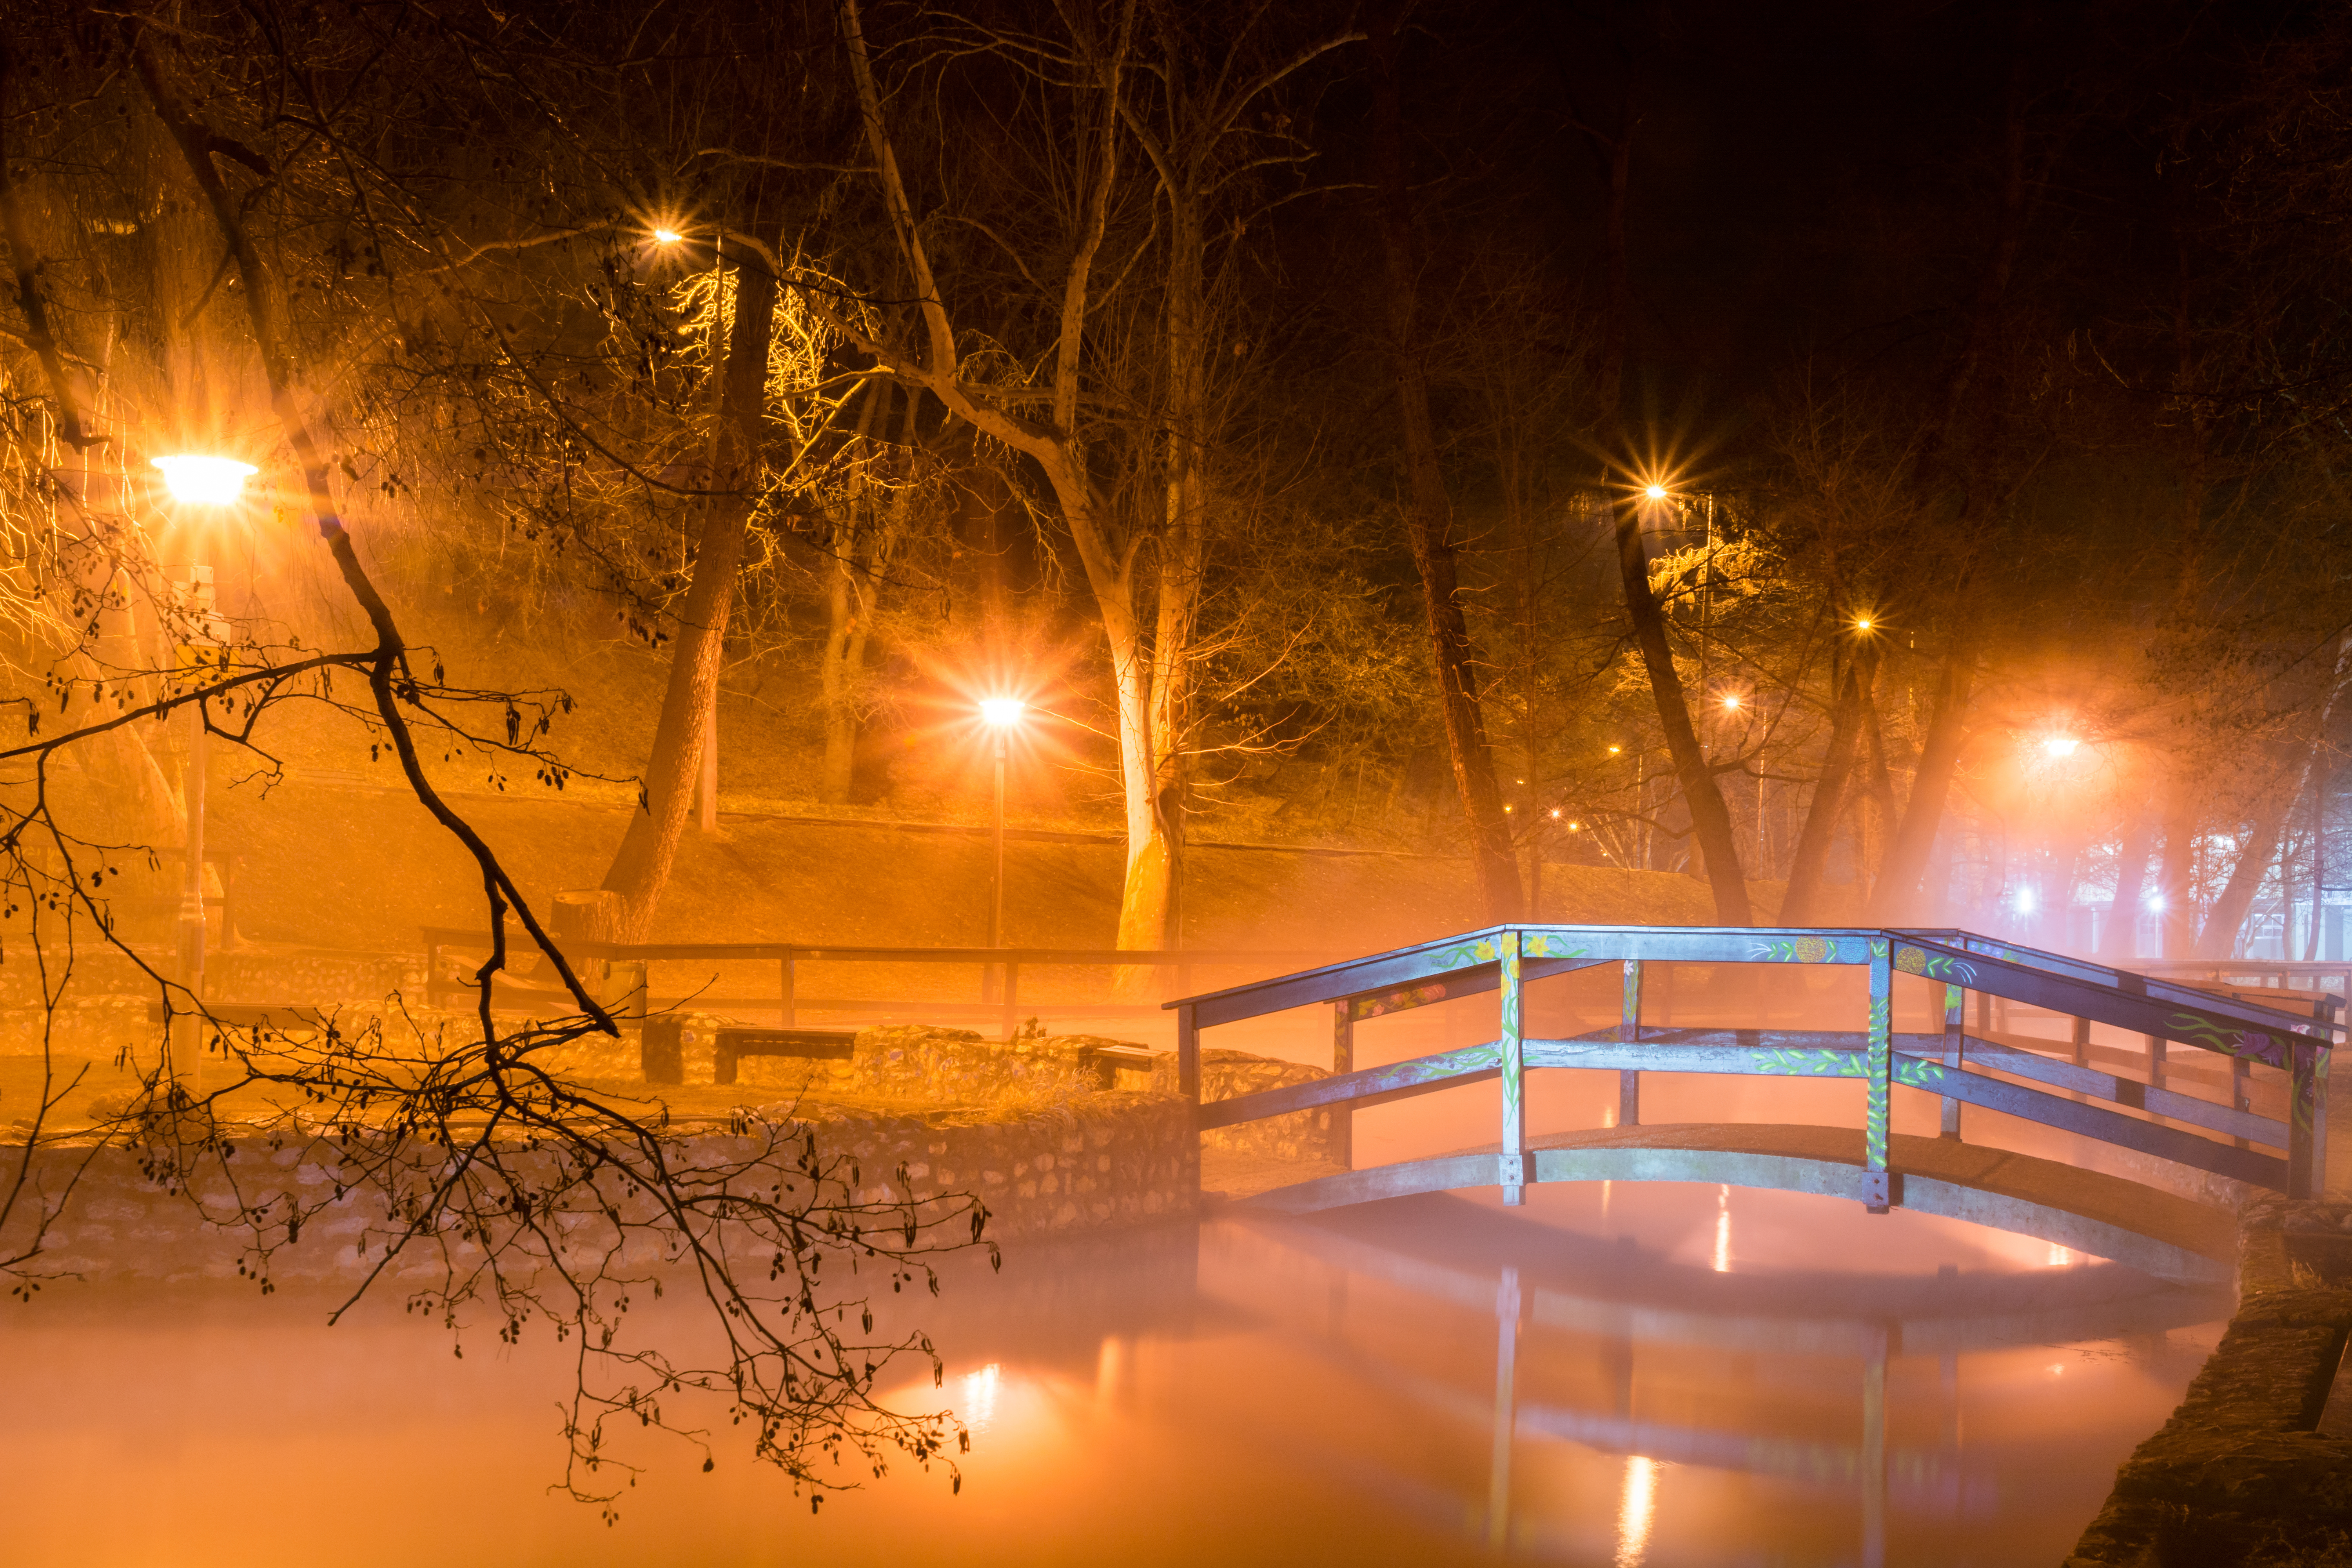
2307 1121
1343 1060
1955 1040
1511 1045
1629 1082
1877 1185
1188 1054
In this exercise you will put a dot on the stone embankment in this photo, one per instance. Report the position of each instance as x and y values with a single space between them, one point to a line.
1052 1135
2254 1469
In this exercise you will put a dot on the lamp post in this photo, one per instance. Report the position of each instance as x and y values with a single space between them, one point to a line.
201 482
1001 714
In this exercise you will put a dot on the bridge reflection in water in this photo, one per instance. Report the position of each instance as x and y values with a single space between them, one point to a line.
1687 1368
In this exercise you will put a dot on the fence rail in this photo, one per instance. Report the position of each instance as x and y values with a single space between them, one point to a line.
999 974
2016 1075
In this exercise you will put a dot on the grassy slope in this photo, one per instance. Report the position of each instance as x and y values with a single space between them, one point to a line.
345 867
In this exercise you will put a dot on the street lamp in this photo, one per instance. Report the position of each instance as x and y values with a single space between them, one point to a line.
1002 715
196 481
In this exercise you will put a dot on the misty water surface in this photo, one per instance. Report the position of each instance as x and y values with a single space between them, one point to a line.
1627 1375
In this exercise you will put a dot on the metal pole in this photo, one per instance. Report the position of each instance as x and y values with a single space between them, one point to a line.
192 894
996 883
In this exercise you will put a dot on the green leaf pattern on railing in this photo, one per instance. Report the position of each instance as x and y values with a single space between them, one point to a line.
1941 966
1881 1049
2253 1044
1806 1062
1797 950
1537 944
1918 1074
1468 954
1508 1044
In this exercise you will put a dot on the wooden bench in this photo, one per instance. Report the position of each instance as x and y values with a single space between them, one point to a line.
663 1049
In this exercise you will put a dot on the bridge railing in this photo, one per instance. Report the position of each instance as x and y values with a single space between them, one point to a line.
2015 1075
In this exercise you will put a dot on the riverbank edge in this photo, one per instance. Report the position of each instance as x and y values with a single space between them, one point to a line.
2241 1476
1097 1162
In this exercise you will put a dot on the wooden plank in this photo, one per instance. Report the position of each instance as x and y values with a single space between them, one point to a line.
1343 1061
1365 1086
2308 1126
1629 1030
1188 1054
1877 1108
1954 1046
1511 1067
2092 1121
2228 1120
1407 966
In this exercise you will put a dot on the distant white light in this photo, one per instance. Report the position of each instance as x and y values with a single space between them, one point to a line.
1732 701
666 236
2025 900
205 481
2155 901
2060 745
1001 712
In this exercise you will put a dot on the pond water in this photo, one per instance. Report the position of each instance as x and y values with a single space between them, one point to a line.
1656 1374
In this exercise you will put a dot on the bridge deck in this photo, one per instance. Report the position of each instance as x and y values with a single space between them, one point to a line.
2088 1211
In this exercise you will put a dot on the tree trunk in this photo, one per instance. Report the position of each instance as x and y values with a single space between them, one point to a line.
2218 939
2118 942
1429 510
1710 819
1897 896
862 541
2178 917
1813 841
1876 817
641 867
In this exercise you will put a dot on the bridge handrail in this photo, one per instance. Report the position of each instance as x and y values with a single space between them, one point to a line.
1353 979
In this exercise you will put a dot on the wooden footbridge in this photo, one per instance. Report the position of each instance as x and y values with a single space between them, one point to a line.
2267 1053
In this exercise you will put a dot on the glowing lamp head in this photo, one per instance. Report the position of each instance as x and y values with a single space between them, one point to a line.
1001 712
1862 625
1614 749
2059 745
1555 814
1656 492
2155 901
205 481
1732 701
2025 900
666 236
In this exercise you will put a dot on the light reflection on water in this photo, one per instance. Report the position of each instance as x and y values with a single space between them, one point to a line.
1596 1379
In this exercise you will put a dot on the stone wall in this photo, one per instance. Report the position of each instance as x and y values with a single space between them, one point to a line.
2242 1475
1107 1160
957 1067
